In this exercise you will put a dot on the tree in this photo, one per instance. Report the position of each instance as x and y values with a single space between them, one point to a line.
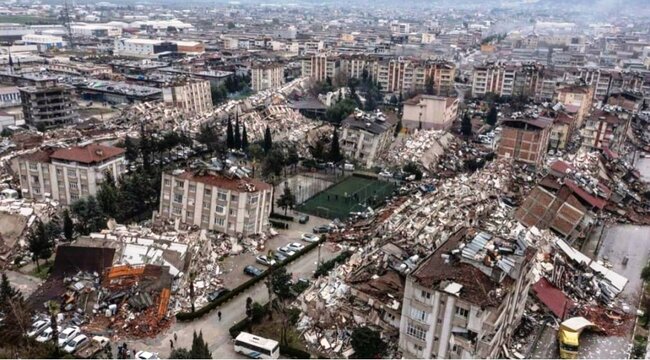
244 138
231 25
273 162
7 291
335 149
107 195
210 138
53 308
237 134
393 100
230 136
466 125
492 115
131 154
40 244
90 217
281 283
145 148
318 150
68 225
292 157
645 273
200 348
180 353
367 343
398 128
192 278
268 142
287 200
429 86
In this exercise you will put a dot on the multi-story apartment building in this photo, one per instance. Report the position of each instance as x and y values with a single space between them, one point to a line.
267 76
366 135
70 174
525 140
320 67
215 201
605 129
576 98
48 104
509 80
465 302
430 112
9 96
193 96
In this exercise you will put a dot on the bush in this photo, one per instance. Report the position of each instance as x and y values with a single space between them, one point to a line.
327 266
239 327
294 353
279 224
258 312
187 316
281 217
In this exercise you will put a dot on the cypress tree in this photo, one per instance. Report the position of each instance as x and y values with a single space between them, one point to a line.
237 134
244 137
335 149
268 142
230 137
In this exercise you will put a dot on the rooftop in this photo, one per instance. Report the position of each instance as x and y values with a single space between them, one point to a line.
89 154
222 181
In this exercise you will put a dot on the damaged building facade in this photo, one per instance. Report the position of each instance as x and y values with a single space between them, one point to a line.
211 200
525 140
465 300
366 135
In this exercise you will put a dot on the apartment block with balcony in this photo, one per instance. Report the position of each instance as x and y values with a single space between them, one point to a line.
366 135
525 140
215 201
575 98
321 66
604 129
48 104
193 96
267 76
430 112
67 175
464 301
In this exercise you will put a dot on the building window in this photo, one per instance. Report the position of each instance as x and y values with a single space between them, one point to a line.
254 199
419 315
205 218
190 215
426 294
73 185
176 210
192 187
34 178
416 331
219 222
167 182
74 197
207 192
222 196
178 198
233 197
71 172
179 184
220 209
462 312
33 166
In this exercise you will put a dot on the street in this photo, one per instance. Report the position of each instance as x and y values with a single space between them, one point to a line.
215 332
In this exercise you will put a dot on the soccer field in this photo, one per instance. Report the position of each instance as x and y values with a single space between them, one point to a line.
353 194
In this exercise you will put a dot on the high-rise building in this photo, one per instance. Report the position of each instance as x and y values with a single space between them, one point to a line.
525 140
48 104
193 96
267 76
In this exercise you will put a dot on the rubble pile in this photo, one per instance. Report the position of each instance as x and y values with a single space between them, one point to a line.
424 147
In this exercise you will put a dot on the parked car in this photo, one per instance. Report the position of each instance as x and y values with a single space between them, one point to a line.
146 355
312 238
295 246
303 219
279 256
252 271
68 334
76 343
217 294
265 260
46 335
286 251
38 327
322 229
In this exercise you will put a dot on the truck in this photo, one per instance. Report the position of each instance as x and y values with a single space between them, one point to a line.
569 334
95 348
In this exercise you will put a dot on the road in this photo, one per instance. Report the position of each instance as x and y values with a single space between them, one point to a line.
25 283
215 332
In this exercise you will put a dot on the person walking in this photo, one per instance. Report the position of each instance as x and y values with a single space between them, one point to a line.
219 315
171 344
175 337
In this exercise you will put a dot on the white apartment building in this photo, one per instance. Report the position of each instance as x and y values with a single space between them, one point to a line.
430 112
9 96
69 174
214 201
320 67
193 96
465 302
95 30
493 79
365 136
267 76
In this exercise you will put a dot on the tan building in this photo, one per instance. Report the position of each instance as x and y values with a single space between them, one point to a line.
575 98
605 130
67 175
320 67
563 126
366 135
214 201
464 301
430 111
193 96
508 80
525 140
405 76
267 76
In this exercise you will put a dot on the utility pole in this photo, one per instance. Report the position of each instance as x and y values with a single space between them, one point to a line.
66 23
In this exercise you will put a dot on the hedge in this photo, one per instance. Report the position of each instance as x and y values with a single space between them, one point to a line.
294 353
186 316
239 327
281 217
279 224
325 267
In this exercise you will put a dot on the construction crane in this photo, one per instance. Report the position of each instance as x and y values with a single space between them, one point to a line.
66 23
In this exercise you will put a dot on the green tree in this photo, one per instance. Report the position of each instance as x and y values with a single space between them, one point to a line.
210 138
318 149
231 25
273 162
268 141
393 100
335 148
230 136
53 308
287 200
146 148
68 226
237 134
466 125
244 137
40 244
90 217
281 283
429 89
180 353
367 343
492 115
200 348
131 148
7 291
645 273
107 196
292 157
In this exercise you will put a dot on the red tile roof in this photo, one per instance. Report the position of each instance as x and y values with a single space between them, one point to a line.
592 200
220 181
552 297
561 166
89 154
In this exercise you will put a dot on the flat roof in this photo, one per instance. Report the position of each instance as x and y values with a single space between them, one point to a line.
223 182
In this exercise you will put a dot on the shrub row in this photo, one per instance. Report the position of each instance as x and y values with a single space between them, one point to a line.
279 224
281 217
187 316
325 267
